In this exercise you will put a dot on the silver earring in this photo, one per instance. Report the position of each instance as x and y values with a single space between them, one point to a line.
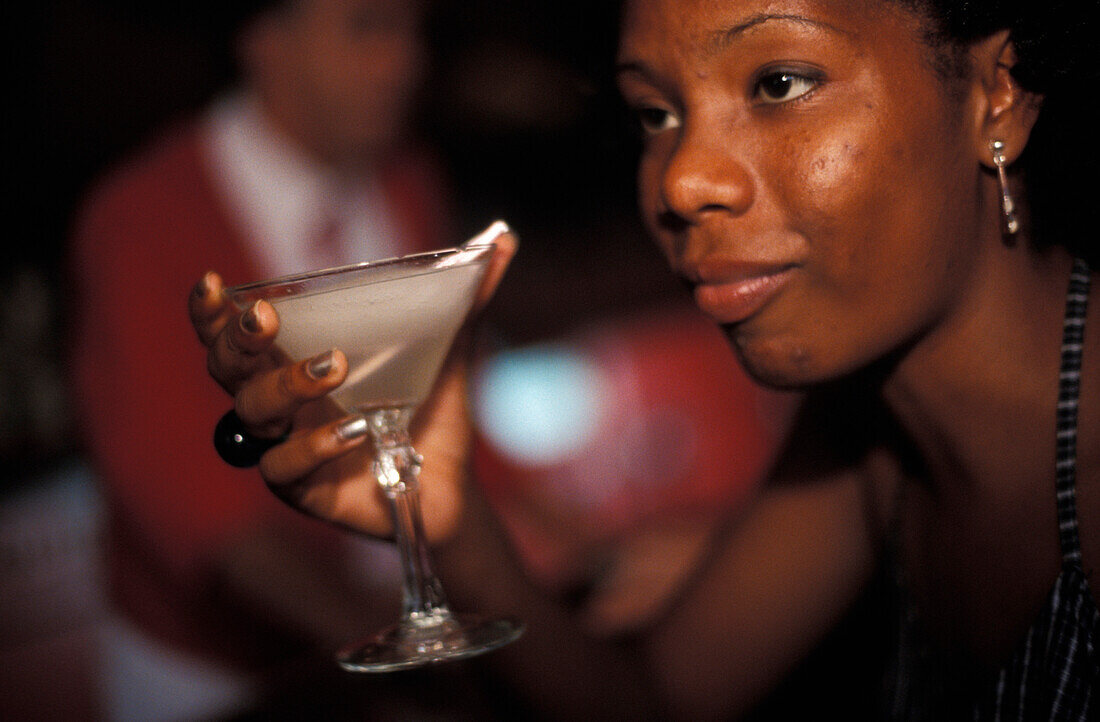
1008 207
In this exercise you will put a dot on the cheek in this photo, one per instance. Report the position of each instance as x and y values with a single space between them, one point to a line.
841 195
834 183
862 198
832 165
650 167
820 168
833 188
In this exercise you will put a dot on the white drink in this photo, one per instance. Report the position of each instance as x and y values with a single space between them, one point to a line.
395 331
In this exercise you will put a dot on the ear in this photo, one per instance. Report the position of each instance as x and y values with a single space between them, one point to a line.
1004 110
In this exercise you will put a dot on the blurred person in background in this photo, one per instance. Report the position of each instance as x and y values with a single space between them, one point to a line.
305 162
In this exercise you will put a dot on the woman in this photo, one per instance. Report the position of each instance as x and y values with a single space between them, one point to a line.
844 185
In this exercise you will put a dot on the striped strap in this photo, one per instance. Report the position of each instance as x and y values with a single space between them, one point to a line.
1069 386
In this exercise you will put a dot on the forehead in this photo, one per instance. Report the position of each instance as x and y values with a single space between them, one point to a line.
377 10
697 27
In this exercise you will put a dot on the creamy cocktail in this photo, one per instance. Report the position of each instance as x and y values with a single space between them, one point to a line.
394 331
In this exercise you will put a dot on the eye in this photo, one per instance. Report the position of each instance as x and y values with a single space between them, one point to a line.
783 86
656 120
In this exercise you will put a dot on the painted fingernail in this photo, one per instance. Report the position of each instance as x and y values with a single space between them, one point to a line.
250 319
352 428
320 365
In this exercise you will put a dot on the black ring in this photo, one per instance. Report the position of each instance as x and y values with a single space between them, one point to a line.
238 447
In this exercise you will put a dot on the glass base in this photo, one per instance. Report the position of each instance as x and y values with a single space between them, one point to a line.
420 642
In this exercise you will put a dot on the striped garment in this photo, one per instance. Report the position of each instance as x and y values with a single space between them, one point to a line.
1054 673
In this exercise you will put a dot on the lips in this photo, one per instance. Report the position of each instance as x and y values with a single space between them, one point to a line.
738 294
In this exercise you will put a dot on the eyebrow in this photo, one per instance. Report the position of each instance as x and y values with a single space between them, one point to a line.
721 39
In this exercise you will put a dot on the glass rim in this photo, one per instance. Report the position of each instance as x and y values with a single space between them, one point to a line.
295 283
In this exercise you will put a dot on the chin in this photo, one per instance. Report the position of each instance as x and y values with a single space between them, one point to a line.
785 365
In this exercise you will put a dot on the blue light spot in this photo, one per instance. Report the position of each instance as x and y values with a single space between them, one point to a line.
539 405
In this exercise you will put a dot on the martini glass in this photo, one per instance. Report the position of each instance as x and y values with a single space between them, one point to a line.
395 320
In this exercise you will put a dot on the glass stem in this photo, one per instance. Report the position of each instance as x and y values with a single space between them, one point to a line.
397 468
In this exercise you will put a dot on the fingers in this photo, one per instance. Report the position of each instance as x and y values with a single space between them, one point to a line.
241 349
506 246
327 472
323 472
270 392
237 341
250 335
306 450
209 308
267 402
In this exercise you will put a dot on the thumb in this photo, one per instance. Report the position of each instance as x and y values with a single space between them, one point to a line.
506 245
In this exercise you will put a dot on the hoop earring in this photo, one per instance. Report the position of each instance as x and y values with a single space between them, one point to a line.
1008 206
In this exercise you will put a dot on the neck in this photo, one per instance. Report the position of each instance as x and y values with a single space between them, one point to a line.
977 393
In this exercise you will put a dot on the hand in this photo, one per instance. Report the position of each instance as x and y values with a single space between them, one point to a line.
323 467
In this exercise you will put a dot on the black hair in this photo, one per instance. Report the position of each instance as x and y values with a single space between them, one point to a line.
1053 41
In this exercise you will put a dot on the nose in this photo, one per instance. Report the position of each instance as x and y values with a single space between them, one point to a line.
704 176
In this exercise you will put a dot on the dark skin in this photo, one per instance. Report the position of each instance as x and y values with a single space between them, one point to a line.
337 76
832 198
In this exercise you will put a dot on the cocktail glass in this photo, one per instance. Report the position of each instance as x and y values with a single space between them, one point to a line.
395 320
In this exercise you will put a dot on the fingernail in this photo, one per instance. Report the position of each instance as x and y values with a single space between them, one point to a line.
320 365
250 319
352 428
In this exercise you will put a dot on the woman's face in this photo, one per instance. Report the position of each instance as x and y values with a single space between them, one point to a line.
807 169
